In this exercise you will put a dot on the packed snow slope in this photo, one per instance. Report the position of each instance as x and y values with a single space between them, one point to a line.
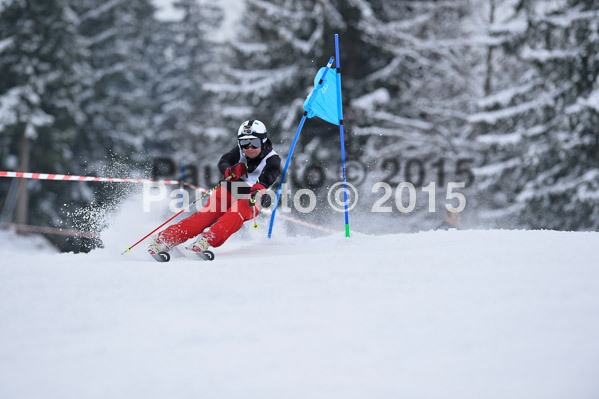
446 314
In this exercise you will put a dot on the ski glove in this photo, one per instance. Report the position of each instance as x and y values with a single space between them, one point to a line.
256 189
235 172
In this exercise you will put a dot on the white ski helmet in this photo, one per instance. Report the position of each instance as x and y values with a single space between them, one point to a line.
252 129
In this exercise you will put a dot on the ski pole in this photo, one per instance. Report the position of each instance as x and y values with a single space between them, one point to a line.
255 224
252 203
204 195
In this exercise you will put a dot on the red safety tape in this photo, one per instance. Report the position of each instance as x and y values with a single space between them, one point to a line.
47 176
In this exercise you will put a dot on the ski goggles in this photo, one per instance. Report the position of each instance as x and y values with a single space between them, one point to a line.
250 143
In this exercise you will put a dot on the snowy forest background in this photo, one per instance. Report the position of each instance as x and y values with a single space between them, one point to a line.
500 94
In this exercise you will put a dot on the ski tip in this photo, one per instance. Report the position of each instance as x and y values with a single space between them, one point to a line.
206 255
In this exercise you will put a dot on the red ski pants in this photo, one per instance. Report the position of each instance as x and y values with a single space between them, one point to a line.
223 213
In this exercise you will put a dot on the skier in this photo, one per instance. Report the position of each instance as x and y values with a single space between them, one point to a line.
249 168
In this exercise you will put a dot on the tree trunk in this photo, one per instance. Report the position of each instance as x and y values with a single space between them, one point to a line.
490 71
22 210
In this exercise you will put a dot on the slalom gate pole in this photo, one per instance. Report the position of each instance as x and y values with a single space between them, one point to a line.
274 209
297 133
340 111
204 195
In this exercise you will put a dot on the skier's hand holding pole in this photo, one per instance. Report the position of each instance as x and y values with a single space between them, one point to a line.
256 193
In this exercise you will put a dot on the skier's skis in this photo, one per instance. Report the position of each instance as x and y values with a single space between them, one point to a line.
165 256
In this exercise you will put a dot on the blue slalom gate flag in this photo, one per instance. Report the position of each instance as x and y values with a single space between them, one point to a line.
323 101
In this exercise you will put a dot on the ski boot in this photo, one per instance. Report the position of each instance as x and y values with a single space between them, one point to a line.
200 248
159 251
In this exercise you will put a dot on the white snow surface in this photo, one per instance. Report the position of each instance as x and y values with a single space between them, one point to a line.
441 314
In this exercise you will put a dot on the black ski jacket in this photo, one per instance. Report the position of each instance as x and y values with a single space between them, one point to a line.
264 169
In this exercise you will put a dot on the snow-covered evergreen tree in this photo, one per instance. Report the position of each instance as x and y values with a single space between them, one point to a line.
280 48
119 103
411 114
43 72
187 119
542 170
